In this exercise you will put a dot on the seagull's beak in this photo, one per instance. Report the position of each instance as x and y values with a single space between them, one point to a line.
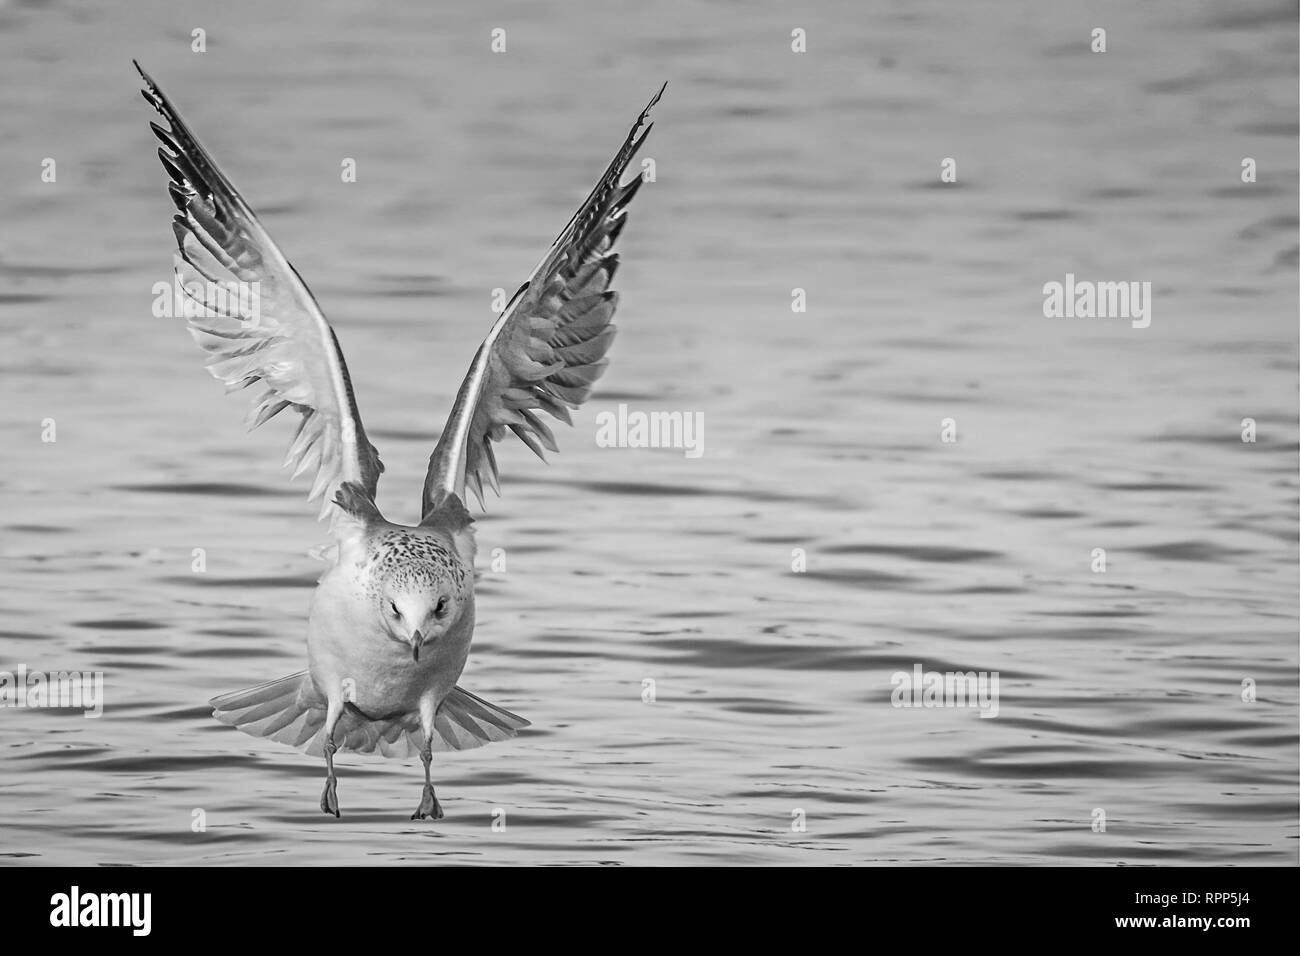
415 645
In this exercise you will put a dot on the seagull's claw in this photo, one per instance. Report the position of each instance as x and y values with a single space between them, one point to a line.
329 800
429 806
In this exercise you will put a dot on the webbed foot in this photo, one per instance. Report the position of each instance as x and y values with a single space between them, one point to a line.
329 800
429 806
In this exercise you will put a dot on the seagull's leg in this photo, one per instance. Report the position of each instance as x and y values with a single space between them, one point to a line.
429 805
329 799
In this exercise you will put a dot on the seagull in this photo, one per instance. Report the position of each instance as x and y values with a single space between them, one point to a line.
392 617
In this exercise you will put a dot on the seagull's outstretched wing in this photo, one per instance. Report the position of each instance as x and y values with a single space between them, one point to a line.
549 345
281 343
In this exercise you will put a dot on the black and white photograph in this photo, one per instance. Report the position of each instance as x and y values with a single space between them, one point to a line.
693 434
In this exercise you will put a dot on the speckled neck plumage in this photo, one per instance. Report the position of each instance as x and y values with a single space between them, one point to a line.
414 560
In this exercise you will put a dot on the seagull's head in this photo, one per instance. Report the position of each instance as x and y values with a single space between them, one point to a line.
417 613
421 588
422 583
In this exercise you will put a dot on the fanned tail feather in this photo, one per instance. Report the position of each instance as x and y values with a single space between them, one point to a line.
291 711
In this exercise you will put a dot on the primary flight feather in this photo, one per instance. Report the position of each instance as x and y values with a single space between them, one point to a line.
392 618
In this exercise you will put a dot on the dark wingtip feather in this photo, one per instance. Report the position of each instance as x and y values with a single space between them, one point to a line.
625 195
165 137
616 229
653 100
170 164
180 197
153 96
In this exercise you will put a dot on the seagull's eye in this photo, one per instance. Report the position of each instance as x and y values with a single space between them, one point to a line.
441 609
396 612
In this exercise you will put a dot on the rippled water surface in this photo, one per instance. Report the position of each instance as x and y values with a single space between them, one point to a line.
1119 691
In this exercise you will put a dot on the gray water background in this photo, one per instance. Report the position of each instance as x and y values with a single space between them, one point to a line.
1119 691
